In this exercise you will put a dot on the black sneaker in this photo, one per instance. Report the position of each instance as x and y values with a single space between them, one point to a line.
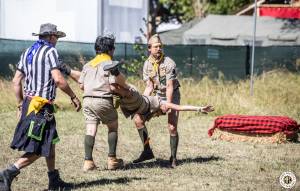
173 162
145 155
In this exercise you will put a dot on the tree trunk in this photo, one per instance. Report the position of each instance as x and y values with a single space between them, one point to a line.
200 7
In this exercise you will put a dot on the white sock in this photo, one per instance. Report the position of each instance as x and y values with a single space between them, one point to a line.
17 166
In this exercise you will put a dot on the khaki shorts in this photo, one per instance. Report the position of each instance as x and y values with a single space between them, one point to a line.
176 100
176 97
97 110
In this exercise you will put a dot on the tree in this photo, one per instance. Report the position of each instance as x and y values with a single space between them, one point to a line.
167 10
226 7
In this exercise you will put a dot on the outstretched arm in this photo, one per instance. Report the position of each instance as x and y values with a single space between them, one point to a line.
75 75
67 70
205 109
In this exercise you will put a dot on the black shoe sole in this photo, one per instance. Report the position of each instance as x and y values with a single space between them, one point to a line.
142 160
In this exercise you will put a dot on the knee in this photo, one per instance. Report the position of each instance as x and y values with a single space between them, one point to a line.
113 126
172 129
91 129
113 129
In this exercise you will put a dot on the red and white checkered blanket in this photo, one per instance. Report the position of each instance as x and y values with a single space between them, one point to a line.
255 124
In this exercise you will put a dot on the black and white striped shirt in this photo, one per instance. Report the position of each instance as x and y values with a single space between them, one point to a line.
38 79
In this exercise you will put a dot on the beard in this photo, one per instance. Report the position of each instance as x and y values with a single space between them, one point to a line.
157 55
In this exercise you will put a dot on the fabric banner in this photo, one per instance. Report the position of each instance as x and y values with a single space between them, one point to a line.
280 12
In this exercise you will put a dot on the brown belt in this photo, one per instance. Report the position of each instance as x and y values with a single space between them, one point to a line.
98 97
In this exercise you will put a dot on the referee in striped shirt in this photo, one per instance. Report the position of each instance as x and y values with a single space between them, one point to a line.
36 133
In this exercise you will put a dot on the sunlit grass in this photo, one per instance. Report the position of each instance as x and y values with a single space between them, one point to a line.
204 164
275 93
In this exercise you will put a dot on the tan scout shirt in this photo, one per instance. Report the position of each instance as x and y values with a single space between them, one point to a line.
96 81
166 71
139 104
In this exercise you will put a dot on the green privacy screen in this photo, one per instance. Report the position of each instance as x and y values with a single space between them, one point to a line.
231 62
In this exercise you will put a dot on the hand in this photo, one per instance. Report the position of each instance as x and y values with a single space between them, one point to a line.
164 108
206 109
76 102
19 112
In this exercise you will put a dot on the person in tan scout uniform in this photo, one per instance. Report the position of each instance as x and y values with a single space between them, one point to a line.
159 73
98 102
132 102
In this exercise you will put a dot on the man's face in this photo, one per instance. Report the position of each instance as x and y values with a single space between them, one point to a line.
155 50
53 39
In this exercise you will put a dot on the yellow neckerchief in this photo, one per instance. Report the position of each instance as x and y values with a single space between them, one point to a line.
99 58
155 62
36 104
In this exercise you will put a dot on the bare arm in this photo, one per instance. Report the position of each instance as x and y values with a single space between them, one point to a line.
68 71
75 75
17 86
149 88
81 86
205 109
169 90
180 107
64 86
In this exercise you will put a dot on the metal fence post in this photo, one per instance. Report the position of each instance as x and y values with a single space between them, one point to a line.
191 60
253 48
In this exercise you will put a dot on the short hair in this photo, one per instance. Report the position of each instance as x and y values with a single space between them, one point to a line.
104 44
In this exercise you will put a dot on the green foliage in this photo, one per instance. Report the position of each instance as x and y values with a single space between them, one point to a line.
225 7
183 9
134 65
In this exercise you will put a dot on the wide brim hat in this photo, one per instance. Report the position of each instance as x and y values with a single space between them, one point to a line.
49 29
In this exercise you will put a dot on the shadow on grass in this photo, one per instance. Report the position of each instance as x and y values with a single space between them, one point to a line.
166 163
100 182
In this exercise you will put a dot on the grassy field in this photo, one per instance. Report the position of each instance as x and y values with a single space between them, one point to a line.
204 163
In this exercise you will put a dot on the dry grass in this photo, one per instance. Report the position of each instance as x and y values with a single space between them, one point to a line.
204 163
247 137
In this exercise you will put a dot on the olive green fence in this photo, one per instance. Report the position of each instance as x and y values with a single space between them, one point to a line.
231 62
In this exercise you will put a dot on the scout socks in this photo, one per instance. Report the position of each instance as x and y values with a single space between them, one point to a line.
174 144
147 153
89 142
144 137
112 143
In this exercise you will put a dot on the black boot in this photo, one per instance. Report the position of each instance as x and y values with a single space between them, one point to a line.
147 154
7 176
55 183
